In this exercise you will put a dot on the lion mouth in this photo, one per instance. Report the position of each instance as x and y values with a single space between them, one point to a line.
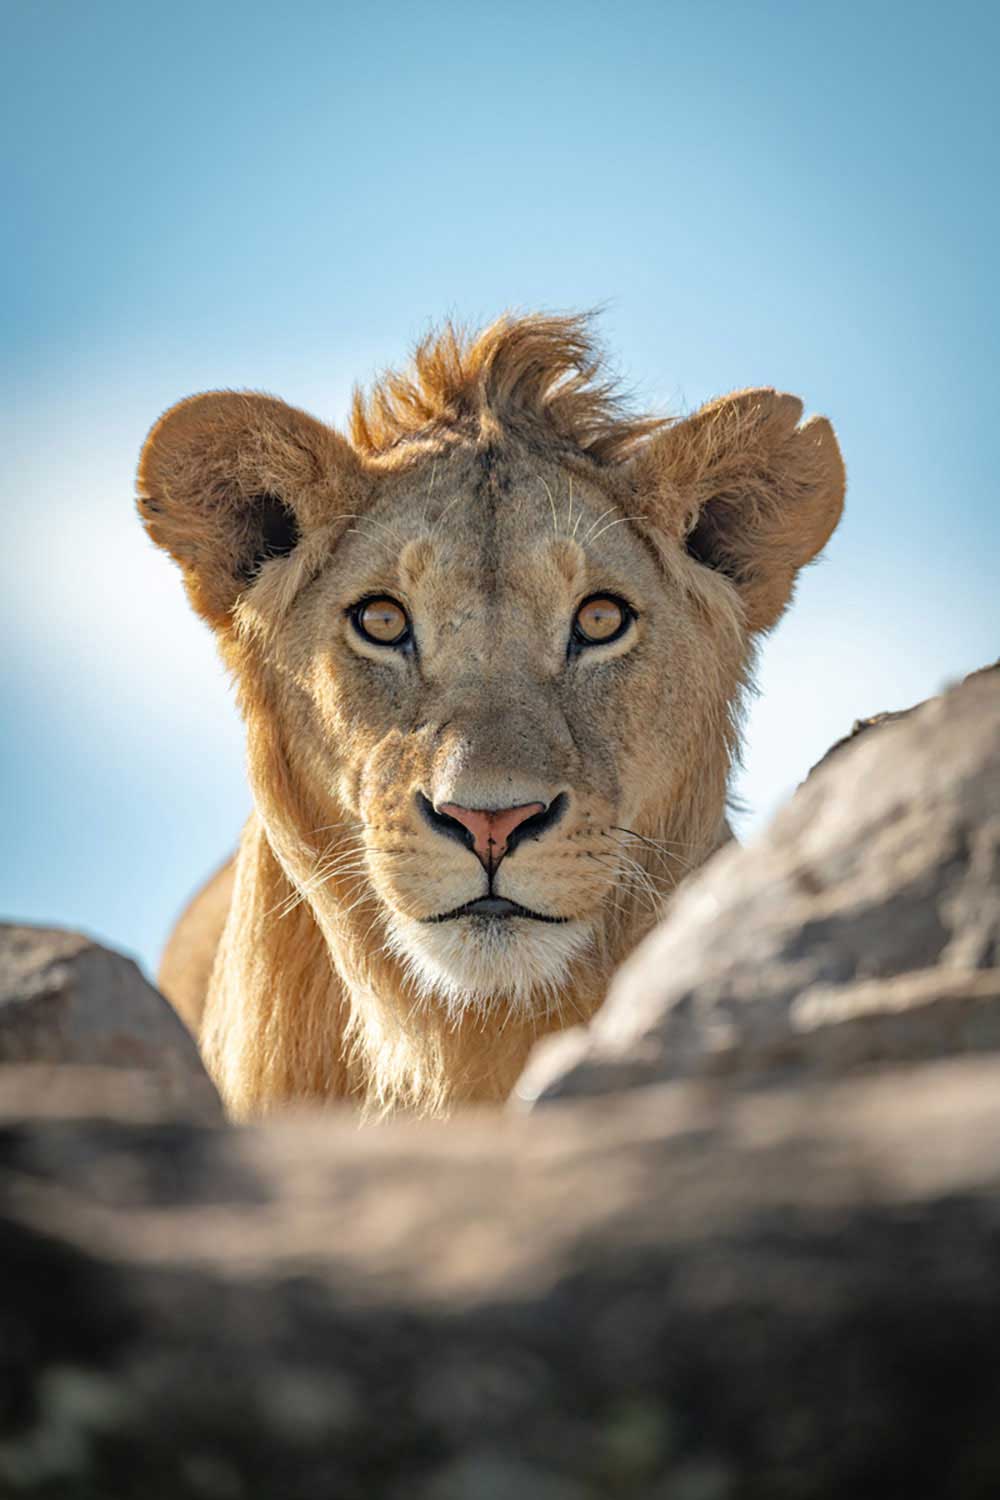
492 908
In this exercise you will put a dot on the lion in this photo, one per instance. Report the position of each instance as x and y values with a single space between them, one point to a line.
491 650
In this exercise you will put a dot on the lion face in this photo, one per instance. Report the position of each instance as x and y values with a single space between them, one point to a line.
497 686
490 653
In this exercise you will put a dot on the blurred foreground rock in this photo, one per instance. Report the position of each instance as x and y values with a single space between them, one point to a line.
760 1262
680 1294
862 928
66 1001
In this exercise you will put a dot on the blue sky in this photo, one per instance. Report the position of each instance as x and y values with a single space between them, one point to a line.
286 197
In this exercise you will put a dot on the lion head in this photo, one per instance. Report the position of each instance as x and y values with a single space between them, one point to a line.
491 652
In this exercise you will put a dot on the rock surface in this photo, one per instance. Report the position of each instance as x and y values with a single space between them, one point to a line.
65 1000
676 1289
686 1293
862 928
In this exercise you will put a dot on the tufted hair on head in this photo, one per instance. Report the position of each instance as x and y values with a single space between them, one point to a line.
541 375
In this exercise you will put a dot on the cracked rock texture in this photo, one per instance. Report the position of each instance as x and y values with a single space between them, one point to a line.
862 928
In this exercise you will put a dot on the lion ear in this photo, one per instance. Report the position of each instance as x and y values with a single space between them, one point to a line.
747 491
231 479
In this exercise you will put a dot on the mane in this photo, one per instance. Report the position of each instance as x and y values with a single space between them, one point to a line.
542 376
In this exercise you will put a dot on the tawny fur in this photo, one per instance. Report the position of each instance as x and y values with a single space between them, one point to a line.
490 490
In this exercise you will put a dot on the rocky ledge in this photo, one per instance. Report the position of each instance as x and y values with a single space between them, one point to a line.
744 1246
862 928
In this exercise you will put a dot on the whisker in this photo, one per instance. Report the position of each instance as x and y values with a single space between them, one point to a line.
620 522
579 514
555 518
630 860
383 527
649 877
658 843
658 848
358 516
340 869
379 916
368 895
637 876
430 488
592 528
450 506
360 531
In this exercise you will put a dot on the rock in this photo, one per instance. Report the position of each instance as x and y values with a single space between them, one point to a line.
60 1091
684 1293
863 927
877 721
687 1290
67 1003
862 726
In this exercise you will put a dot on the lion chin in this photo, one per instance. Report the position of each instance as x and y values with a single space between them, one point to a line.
488 965
492 648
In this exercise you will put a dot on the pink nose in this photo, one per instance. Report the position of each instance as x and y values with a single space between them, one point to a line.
491 830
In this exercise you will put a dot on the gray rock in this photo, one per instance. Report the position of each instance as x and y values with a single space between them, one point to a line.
686 1291
68 1003
683 1293
863 927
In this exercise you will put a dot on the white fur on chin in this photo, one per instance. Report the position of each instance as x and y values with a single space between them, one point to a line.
475 964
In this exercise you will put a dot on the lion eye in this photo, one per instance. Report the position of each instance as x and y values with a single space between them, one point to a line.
600 619
382 621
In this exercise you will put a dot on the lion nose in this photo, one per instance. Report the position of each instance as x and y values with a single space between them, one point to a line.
493 831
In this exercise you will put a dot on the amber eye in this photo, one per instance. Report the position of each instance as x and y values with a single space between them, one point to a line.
381 621
600 619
